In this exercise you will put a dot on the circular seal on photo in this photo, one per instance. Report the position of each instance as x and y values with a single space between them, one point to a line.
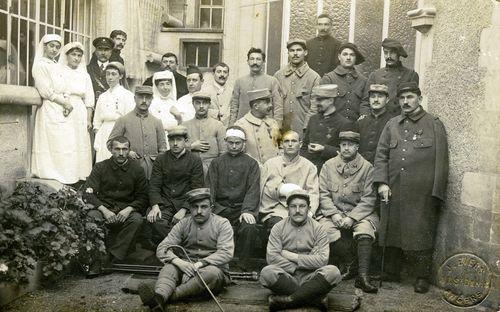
465 280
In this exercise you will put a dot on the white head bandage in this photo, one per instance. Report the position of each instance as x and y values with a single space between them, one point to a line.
52 37
235 133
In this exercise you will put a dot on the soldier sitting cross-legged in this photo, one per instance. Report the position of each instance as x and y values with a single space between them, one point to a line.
207 240
297 254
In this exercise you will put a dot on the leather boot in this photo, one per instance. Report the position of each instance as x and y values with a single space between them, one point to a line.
363 282
284 286
364 256
316 287
151 299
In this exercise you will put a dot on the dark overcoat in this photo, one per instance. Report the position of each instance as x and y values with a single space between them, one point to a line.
412 158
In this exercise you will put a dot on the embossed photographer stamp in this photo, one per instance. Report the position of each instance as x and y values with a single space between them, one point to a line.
465 280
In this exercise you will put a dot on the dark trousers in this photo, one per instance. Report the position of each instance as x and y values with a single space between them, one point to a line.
158 230
246 236
419 260
120 237
245 240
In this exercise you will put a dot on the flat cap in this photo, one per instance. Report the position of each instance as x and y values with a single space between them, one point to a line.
177 131
293 41
144 90
103 42
297 193
326 90
349 135
380 88
201 95
198 194
348 45
118 66
409 87
259 94
394 44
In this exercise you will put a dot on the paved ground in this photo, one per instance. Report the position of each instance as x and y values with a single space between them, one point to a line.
77 294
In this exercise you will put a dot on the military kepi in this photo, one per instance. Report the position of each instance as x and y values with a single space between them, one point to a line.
349 135
259 94
296 41
103 42
396 45
177 131
201 95
144 90
297 193
409 87
325 91
379 88
198 194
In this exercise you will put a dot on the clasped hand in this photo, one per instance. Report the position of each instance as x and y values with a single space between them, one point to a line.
186 267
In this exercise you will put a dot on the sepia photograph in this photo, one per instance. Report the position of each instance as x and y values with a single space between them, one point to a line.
249 155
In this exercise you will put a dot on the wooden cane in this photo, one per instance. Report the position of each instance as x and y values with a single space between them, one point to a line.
387 206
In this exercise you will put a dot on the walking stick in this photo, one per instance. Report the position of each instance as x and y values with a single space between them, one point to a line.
384 205
199 275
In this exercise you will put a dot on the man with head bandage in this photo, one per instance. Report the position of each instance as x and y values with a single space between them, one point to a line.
233 178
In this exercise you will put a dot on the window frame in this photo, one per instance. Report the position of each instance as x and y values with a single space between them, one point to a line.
73 30
210 7
182 54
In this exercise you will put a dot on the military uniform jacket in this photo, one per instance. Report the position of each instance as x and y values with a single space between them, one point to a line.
277 171
173 177
210 130
412 158
322 54
262 136
324 130
234 185
210 242
308 240
117 187
370 128
240 106
351 88
347 188
297 85
392 77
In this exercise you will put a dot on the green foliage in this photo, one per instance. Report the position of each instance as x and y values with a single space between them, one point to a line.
53 228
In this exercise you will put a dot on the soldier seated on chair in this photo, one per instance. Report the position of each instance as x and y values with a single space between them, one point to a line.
347 201
297 254
117 187
234 180
208 243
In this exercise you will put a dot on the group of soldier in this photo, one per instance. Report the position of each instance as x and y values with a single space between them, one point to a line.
300 162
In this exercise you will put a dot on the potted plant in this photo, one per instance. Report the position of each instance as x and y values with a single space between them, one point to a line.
51 229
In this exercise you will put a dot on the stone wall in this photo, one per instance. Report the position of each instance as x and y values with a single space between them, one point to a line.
461 86
368 23
14 149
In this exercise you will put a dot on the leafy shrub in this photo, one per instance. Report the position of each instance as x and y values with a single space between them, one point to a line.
49 227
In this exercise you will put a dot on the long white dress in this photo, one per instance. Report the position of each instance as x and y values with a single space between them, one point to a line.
111 105
61 145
